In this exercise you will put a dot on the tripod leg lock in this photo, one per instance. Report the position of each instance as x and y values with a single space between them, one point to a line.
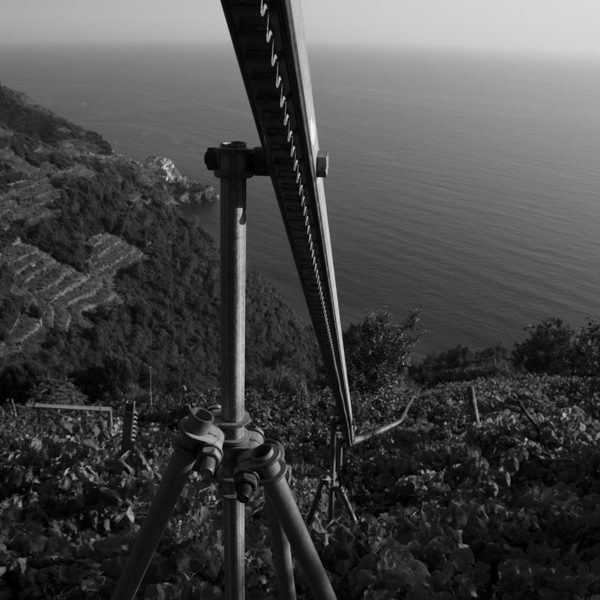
200 436
208 460
246 482
262 465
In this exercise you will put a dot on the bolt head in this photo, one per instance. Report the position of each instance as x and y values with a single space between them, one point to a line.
322 163
246 483
211 159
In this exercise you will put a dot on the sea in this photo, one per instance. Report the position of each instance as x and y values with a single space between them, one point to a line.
466 184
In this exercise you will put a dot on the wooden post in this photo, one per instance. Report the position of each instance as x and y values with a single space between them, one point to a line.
473 404
151 400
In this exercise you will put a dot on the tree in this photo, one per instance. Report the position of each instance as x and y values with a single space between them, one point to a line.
586 360
378 352
57 391
548 349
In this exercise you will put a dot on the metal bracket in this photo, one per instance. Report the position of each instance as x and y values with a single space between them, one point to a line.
256 161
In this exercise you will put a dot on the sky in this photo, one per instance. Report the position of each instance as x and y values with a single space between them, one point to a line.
537 26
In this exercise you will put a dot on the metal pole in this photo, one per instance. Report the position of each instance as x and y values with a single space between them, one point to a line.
333 467
280 495
363 437
178 470
313 508
233 171
282 555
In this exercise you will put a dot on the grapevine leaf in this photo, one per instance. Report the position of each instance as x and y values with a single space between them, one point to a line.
360 579
481 573
214 567
463 558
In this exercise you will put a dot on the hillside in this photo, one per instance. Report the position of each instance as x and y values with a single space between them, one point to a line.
102 278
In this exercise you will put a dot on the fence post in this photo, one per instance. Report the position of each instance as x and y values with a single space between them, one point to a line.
473 404
129 427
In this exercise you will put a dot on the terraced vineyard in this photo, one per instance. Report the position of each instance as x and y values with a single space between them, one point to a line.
58 294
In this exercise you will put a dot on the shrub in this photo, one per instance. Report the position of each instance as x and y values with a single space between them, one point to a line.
586 359
379 352
548 349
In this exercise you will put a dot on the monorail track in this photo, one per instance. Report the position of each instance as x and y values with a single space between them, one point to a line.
268 39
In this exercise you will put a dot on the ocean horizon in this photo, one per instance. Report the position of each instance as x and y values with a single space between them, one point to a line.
466 184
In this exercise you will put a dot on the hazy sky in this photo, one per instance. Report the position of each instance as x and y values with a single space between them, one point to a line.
560 26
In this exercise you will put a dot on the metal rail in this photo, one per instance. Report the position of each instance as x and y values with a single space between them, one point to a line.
268 39
38 406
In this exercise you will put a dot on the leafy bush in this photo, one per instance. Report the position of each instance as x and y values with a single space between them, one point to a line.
461 364
548 349
586 359
57 391
378 352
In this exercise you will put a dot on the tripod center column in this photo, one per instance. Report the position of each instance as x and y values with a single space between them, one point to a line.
233 169
233 172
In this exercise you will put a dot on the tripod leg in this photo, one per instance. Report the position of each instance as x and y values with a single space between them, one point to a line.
175 477
234 537
282 555
315 503
280 495
331 509
342 493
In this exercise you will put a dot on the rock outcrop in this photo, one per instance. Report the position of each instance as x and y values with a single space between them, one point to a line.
182 189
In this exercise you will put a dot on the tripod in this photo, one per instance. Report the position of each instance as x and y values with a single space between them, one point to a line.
217 442
336 459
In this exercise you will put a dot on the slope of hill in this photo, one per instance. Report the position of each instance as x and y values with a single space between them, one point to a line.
101 277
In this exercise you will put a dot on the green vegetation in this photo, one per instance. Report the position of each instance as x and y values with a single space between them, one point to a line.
446 509
551 347
377 351
165 319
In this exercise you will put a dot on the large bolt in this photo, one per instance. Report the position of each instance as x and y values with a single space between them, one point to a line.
246 483
209 458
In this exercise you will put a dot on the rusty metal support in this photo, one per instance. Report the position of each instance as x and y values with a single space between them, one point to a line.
363 437
331 480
